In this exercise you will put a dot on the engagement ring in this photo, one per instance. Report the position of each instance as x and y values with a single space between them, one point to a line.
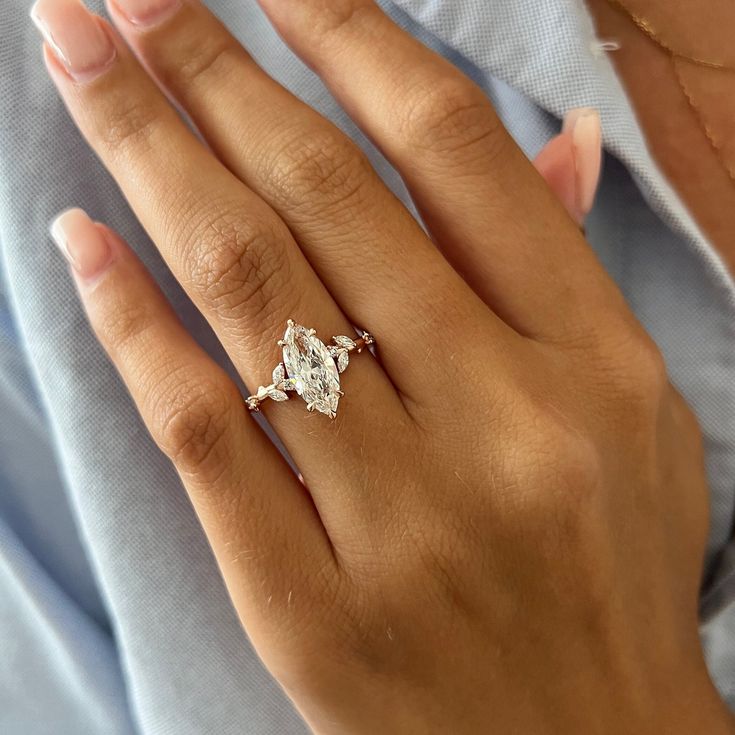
310 368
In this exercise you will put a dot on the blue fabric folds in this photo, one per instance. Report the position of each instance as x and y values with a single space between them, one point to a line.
113 616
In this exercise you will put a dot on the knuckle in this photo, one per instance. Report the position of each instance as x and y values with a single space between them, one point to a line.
127 122
640 379
121 323
329 19
686 417
238 266
551 482
650 366
557 473
574 477
191 422
325 169
450 116
204 60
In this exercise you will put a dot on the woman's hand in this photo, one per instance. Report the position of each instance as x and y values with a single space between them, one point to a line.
504 526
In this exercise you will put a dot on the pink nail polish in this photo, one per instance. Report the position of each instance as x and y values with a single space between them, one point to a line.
75 36
82 243
585 128
147 13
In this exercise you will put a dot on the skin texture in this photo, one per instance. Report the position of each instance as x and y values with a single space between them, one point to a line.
690 129
503 529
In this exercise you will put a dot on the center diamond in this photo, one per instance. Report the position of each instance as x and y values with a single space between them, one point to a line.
314 371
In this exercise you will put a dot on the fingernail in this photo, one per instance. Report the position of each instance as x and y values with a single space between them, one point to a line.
147 13
83 245
75 36
586 130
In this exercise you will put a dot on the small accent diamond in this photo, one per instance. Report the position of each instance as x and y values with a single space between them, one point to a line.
277 395
346 342
279 373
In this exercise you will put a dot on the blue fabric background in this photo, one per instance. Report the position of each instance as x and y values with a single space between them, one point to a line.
113 617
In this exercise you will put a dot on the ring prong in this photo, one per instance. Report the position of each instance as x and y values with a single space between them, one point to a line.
290 322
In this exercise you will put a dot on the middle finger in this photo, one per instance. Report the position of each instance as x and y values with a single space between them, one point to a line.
233 255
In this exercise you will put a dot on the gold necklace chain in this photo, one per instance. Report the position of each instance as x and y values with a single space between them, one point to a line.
647 28
676 58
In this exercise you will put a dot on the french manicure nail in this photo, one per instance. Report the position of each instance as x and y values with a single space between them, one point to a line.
147 13
82 243
585 128
75 36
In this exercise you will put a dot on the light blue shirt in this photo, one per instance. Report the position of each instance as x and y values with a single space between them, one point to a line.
113 616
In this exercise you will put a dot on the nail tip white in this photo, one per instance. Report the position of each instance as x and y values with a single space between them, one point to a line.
33 14
56 228
574 115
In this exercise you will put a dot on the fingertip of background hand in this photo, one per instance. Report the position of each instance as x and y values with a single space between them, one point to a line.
570 163
585 128
84 244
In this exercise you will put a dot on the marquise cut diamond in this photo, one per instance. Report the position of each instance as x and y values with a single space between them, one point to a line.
312 368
